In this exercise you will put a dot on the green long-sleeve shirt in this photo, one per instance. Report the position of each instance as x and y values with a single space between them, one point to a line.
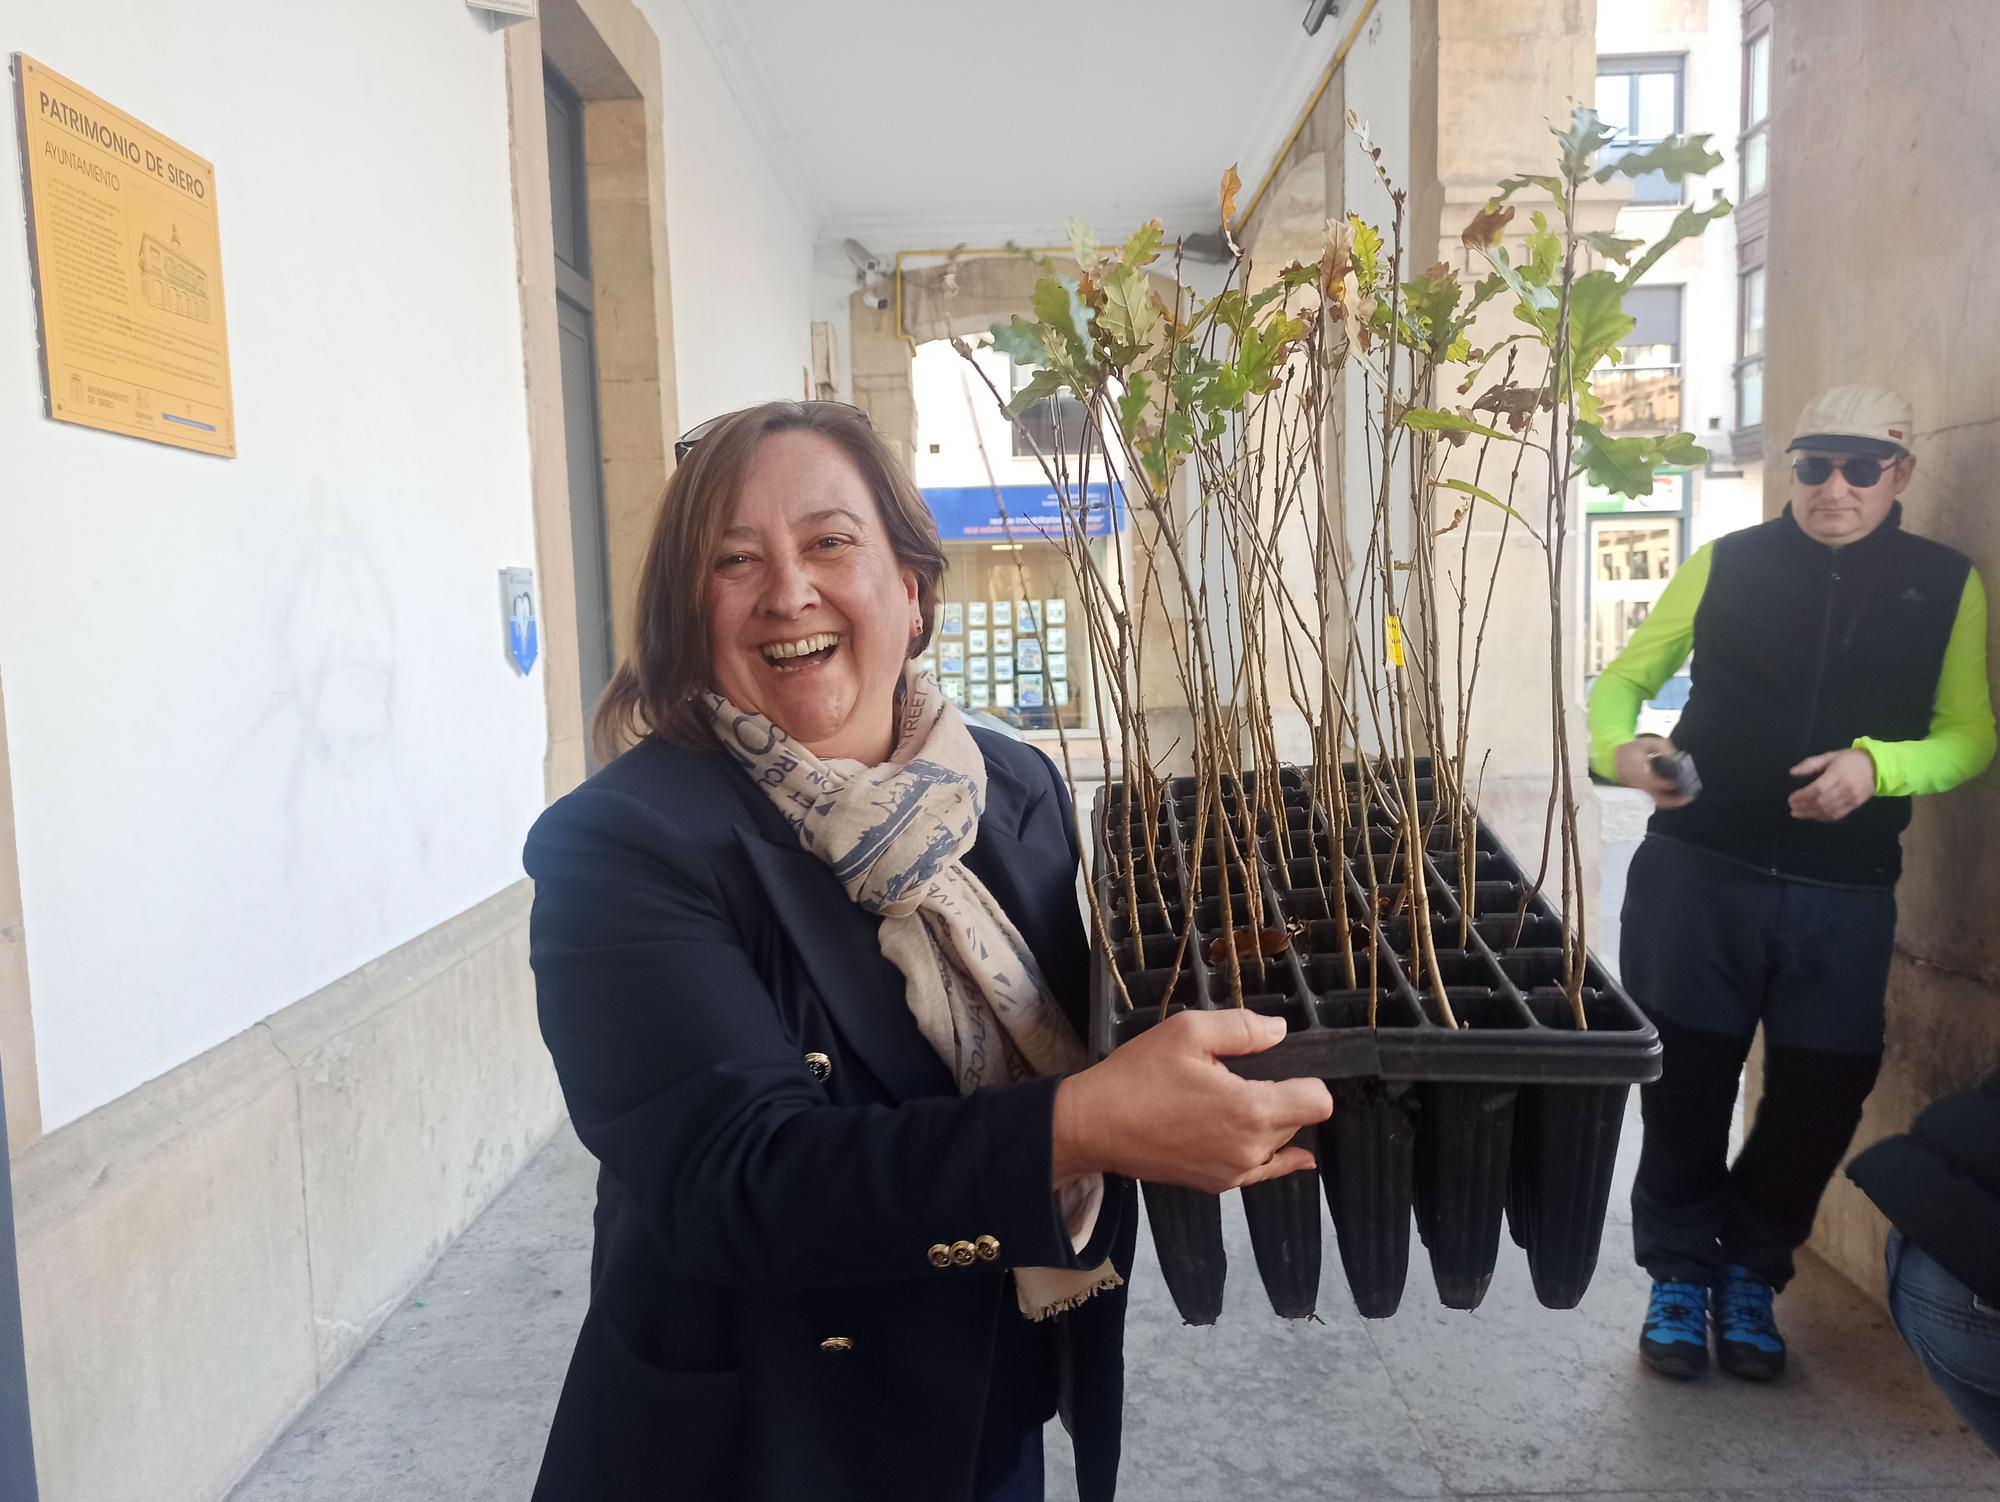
1961 738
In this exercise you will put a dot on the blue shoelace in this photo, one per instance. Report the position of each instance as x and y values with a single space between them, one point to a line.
1744 1312
1675 1314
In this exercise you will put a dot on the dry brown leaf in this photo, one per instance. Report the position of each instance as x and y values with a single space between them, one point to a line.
1231 185
1488 225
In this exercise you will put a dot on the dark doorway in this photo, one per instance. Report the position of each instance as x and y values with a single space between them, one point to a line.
576 329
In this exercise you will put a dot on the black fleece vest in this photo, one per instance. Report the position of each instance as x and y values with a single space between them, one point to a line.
1800 648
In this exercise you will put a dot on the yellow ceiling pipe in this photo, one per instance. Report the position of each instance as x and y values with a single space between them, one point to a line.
1339 57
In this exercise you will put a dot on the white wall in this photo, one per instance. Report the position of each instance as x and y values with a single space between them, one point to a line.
939 380
742 255
260 722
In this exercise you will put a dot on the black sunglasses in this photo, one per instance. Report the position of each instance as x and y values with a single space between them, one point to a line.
1860 472
684 444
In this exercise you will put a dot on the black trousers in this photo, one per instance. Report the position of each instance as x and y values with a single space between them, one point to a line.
1710 950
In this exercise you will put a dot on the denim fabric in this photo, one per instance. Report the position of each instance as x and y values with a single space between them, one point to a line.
1955 1336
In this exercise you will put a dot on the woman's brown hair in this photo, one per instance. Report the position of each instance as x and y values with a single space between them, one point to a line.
657 689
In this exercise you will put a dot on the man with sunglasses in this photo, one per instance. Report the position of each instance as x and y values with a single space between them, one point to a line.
1839 670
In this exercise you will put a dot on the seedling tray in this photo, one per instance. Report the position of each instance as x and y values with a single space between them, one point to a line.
1515 1109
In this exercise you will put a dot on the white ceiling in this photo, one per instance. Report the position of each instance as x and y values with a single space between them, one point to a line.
911 124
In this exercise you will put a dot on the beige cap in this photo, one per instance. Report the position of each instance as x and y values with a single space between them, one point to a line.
1856 419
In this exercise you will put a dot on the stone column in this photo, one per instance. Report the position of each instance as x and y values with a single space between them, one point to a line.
1487 82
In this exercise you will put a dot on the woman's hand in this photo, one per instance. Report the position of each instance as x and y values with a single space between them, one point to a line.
1164 1107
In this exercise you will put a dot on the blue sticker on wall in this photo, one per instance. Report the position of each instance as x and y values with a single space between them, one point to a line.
517 605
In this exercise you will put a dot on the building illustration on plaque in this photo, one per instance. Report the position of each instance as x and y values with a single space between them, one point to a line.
172 283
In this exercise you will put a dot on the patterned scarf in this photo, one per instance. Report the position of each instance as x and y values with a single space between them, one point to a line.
895 837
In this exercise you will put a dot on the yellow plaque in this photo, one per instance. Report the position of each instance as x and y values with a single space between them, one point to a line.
128 271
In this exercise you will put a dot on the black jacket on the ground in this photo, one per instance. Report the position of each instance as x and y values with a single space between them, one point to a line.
1801 648
689 955
1939 1184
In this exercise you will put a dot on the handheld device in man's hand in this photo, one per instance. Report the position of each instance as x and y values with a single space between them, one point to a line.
1676 767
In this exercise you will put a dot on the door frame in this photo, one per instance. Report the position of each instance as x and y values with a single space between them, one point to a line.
610 56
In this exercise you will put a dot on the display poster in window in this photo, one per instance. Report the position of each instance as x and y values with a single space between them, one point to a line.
127 260
954 620
1029 691
981 695
1003 612
1003 667
951 655
1025 617
1003 642
1062 692
1058 665
1003 696
1057 638
979 670
954 689
1028 655
1055 611
975 641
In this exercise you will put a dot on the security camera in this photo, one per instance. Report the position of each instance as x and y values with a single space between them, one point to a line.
866 262
879 301
1317 13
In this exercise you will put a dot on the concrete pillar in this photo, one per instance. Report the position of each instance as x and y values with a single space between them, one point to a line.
881 369
1486 83
1907 294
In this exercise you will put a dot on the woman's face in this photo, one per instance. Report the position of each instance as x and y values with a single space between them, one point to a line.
811 612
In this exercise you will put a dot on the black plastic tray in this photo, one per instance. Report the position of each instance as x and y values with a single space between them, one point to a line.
1515 1021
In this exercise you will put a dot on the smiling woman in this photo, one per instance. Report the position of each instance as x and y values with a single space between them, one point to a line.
823 503
811 966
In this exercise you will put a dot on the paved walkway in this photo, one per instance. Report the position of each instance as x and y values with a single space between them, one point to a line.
450 1402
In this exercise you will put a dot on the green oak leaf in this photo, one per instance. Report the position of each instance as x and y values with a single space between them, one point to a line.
1430 420
1468 488
1142 247
1021 342
1059 308
1681 449
1367 250
1544 253
1130 315
1083 244
1689 223
1580 142
1553 186
1674 158
1045 383
1132 405
1610 246
1623 466
1597 318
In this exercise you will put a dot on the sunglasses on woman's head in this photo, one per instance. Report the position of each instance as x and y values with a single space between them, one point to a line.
684 444
1860 472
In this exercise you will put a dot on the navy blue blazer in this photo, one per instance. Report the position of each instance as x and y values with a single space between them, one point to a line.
766 1320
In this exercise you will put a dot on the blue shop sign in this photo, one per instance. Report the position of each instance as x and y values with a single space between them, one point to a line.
1031 512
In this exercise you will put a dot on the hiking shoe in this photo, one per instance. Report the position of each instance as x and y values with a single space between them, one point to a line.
1674 1341
1747 1342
